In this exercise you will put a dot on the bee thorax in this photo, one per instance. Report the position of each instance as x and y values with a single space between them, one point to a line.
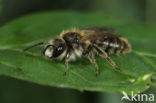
78 52
72 57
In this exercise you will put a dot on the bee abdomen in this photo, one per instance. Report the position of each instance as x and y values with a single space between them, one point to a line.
125 46
113 44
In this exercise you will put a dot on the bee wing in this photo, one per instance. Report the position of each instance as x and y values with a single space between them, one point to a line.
99 29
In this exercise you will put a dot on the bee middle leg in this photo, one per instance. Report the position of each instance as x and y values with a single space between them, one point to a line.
91 58
103 54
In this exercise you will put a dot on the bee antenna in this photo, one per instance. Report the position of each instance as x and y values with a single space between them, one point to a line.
41 43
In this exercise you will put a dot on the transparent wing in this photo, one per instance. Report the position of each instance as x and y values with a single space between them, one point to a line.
99 29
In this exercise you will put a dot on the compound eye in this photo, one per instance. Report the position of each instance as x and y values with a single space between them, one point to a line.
48 51
60 48
58 51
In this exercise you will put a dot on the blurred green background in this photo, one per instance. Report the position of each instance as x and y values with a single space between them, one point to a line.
128 10
18 91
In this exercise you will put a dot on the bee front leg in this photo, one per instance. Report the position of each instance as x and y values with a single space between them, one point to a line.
66 62
103 54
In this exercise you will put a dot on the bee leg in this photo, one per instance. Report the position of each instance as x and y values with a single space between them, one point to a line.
92 60
103 54
66 66
66 62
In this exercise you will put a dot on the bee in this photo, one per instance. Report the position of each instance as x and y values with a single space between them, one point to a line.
86 42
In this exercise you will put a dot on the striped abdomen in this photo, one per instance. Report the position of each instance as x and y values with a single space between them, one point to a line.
110 43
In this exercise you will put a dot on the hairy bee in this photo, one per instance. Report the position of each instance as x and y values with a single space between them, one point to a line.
86 42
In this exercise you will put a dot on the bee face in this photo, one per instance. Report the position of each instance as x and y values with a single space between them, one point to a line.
54 48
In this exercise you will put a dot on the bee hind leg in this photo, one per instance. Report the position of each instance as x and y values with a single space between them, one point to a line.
103 54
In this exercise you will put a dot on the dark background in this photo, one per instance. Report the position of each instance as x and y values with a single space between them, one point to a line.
128 10
17 91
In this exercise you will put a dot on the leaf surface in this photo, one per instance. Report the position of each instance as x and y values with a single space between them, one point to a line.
137 67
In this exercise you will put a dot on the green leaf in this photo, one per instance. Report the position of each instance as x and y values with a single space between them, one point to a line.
137 67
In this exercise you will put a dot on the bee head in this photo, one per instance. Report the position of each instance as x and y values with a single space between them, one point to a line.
54 48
